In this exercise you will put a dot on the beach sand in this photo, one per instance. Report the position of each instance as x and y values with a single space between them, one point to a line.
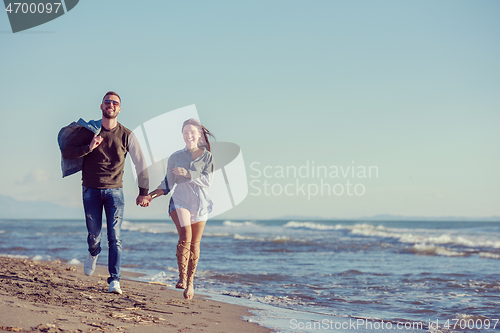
38 296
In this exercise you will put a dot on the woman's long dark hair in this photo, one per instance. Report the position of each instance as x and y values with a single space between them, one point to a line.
203 131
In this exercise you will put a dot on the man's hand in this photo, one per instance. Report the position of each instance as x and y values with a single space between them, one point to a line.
96 141
143 200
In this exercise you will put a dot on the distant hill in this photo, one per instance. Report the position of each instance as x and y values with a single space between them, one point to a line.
387 217
14 209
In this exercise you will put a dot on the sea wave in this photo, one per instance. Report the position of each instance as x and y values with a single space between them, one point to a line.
281 239
217 234
243 279
275 239
228 223
159 277
75 261
152 227
489 255
424 236
467 317
279 301
312 226
240 237
14 256
431 249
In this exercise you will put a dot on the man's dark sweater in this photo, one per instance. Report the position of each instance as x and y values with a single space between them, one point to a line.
103 167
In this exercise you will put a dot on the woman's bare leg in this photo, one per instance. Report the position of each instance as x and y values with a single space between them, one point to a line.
182 220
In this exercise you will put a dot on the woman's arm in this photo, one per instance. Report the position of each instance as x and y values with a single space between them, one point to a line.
152 195
168 182
156 193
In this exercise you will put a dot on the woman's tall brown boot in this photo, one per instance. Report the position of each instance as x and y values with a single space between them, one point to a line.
183 249
193 262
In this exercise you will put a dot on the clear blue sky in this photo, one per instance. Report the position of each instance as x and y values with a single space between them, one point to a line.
411 87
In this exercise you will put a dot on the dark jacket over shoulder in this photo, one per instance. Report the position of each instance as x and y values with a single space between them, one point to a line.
103 166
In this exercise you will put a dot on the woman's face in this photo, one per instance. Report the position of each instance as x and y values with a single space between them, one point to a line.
191 136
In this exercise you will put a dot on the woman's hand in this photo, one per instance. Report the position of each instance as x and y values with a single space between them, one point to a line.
181 172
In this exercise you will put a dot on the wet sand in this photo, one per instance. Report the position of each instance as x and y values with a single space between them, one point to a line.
38 296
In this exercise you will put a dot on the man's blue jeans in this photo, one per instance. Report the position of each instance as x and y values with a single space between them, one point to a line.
94 200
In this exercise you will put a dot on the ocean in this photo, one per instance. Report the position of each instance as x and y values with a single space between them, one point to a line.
310 276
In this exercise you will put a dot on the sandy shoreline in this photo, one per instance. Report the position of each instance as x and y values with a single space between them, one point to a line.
38 296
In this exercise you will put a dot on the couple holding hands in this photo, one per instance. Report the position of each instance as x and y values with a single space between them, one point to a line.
189 174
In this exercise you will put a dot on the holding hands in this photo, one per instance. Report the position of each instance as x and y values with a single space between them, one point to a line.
145 200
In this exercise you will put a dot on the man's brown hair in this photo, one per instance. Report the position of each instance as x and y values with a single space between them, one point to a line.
112 93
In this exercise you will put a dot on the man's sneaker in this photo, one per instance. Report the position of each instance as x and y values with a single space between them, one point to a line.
114 287
90 263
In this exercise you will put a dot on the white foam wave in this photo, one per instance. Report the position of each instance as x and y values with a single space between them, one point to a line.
431 249
153 227
277 239
169 276
217 234
424 236
491 243
279 301
160 277
424 241
281 239
75 261
464 319
489 255
228 223
312 225
37 258
2 231
240 237
14 256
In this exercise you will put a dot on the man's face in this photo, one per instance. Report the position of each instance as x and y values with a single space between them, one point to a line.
110 106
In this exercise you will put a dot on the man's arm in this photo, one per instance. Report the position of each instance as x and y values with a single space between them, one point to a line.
81 144
141 168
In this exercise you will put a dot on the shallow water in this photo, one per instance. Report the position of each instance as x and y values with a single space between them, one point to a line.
387 271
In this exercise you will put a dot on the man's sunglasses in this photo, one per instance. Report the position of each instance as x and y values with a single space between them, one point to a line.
108 101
